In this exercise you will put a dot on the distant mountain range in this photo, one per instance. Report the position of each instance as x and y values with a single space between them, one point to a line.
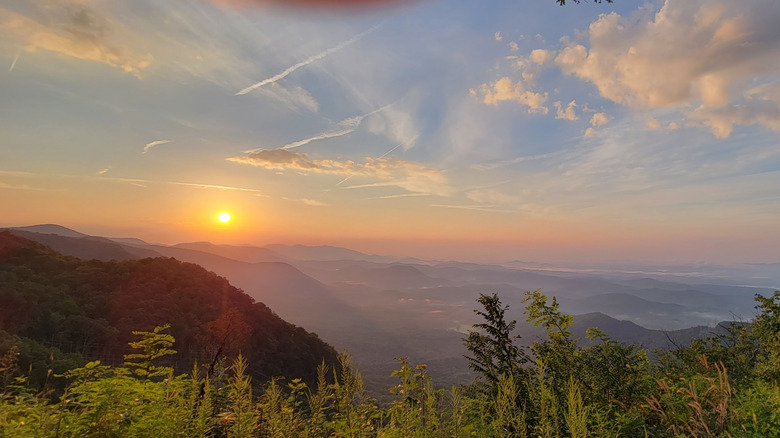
379 308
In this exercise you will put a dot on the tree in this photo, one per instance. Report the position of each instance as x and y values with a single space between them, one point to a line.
563 2
154 345
492 345
766 328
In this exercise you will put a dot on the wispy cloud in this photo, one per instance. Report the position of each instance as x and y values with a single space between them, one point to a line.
490 208
307 201
73 30
13 63
399 195
17 173
411 176
153 144
496 164
18 187
305 62
214 186
103 171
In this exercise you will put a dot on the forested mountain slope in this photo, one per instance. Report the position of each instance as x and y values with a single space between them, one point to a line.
54 303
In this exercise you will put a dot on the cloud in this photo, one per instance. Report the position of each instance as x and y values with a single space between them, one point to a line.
75 31
541 56
305 62
567 113
400 195
411 176
504 90
599 119
153 144
13 63
491 196
215 186
513 46
700 54
489 208
397 125
277 159
596 121
497 36
344 127
103 171
313 202
296 97
307 201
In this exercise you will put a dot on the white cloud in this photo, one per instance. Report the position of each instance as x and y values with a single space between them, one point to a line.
704 54
513 46
599 119
504 90
565 113
541 56
153 144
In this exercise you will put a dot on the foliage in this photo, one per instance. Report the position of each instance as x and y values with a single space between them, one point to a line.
494 352
154 345
563 2
568 389
61 312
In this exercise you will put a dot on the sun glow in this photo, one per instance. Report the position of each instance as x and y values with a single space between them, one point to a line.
224 217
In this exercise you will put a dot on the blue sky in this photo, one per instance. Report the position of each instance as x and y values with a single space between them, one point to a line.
642 131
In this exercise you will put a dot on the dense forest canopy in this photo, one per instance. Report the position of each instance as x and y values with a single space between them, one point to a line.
86 310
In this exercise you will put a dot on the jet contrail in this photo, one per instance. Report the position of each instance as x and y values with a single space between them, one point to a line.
380 157
305 62
13 64
343 127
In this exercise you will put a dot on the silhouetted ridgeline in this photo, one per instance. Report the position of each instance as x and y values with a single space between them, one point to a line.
62 310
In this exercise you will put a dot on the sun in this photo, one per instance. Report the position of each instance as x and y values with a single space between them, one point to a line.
224 217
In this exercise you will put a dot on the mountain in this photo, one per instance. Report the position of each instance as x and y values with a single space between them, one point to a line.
51 229
91 307
325 253
379 308
80 245
250 254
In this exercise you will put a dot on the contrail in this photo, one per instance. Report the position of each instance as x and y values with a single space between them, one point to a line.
13 64
306 62
343 127
381 156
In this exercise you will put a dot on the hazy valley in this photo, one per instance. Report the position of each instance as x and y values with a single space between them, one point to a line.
379 308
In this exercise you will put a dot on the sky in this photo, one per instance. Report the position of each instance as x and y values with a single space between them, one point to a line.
505 129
